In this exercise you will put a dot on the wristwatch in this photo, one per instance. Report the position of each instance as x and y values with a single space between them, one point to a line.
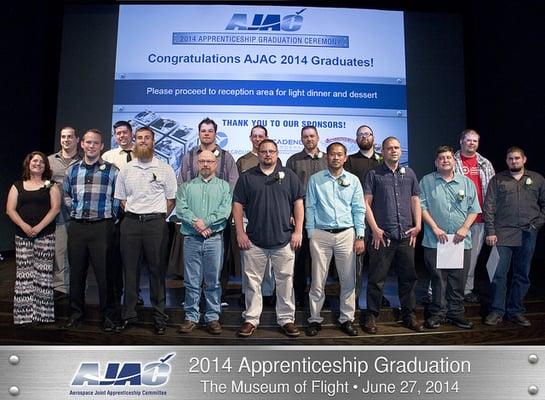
359 237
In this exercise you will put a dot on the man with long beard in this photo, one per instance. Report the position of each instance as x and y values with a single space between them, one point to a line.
146 188
360 164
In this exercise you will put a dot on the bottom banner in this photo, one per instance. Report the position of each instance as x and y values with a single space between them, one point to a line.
272 372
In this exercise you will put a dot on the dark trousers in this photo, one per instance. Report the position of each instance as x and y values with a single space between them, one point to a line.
146 239
301 268
228 259
401 255
447 286
90 243
116 266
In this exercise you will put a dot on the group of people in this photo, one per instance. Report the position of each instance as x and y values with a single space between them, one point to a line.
365 210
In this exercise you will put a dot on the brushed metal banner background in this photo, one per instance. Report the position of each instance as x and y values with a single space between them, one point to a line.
280 372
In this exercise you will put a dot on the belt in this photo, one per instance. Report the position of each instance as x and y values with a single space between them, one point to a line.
144 217
90 221
338 230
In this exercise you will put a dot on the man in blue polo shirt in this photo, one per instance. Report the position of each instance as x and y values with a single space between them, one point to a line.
270 195
449 206
335 223
393 213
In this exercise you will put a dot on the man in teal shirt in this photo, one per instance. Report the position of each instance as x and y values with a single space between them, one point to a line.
203 204
449 206
335 224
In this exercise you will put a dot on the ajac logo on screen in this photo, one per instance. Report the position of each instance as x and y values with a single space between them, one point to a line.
155 373
266 22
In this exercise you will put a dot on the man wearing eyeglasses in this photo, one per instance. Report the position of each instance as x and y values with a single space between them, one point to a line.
270 195
226 170
203 204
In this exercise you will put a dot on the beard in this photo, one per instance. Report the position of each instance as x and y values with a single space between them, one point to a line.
515 169
365 145
143 153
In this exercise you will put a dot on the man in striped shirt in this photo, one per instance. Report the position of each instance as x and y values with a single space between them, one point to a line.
89 187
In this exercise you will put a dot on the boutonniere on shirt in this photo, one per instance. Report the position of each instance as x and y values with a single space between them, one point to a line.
528 182
343 182
216 153
402 171
48 184
279 176
378 157
102 167
461 195
318 156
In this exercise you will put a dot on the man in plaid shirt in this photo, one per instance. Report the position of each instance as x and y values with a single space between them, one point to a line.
89 187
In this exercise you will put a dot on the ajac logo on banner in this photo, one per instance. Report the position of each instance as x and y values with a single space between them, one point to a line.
154 374
269 22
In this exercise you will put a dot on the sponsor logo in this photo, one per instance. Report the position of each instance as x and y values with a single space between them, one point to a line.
222 139
266 22
155 373
350 143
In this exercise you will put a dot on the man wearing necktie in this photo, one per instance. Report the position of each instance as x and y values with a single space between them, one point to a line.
120 156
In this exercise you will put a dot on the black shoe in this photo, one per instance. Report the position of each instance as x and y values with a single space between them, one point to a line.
124 324
472 297
140 301
460 322
433 322
72 323
160 329
521 320
223 302
348 328
108 325
313 329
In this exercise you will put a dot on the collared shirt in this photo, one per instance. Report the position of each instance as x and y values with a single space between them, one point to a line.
268 203
334 202
118 157
359 165
304 165
392 198
89 190
146 186
59 165
209 200
448 203
226 166
512 206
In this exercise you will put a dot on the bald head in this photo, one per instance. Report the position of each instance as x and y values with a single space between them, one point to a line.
207 164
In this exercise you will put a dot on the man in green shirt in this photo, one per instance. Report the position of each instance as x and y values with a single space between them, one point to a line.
203 204
449 206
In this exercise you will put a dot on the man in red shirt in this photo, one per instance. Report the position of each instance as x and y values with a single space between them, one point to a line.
479 170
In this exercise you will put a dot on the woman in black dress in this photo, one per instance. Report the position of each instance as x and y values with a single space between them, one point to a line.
32 205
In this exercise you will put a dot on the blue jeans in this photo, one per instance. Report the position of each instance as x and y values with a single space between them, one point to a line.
522 258
202 262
